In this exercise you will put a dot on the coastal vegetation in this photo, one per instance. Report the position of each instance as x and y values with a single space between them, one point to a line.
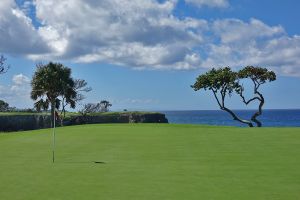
90 108
18 121
224 82
50 82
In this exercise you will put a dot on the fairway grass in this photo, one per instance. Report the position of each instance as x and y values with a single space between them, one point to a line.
153 162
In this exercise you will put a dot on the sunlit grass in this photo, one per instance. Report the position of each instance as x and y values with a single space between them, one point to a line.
151 161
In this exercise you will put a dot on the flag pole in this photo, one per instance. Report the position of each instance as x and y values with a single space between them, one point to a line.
53 138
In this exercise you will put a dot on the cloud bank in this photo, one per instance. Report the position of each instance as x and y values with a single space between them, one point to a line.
19 89
143 34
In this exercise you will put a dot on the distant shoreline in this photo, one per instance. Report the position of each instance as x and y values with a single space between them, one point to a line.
271 109
269 117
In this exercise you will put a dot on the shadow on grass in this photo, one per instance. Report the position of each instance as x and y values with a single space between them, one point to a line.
80 162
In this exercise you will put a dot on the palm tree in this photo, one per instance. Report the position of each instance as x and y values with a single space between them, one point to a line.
49 82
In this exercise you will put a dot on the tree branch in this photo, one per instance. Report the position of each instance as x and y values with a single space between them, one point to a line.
235 117
215 95
259 112
222 107
244 99
223 94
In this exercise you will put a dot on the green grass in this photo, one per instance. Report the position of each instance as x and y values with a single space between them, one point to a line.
153 162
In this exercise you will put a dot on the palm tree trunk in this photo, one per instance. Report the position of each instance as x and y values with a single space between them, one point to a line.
52 113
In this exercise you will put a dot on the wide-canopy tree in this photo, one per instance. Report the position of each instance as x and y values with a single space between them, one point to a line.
224 82
50 82
258 76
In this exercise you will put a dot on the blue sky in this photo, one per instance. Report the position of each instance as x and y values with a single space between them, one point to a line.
145 54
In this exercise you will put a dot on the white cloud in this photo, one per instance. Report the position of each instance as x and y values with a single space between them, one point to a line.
235 30
54 39
19 89
209 3
20 79
143 34
17 34
254 43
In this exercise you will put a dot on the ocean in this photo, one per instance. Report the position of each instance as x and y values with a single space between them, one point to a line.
269 118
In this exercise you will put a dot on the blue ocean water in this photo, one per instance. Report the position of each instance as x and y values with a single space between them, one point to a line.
269 118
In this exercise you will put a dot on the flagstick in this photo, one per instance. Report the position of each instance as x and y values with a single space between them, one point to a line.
53 135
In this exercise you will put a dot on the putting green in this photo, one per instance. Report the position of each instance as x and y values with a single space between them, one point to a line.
151 161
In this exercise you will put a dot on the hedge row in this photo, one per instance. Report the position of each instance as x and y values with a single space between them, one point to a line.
32 122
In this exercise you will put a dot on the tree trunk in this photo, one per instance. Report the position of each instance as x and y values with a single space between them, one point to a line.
52 113
235 117
259 112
